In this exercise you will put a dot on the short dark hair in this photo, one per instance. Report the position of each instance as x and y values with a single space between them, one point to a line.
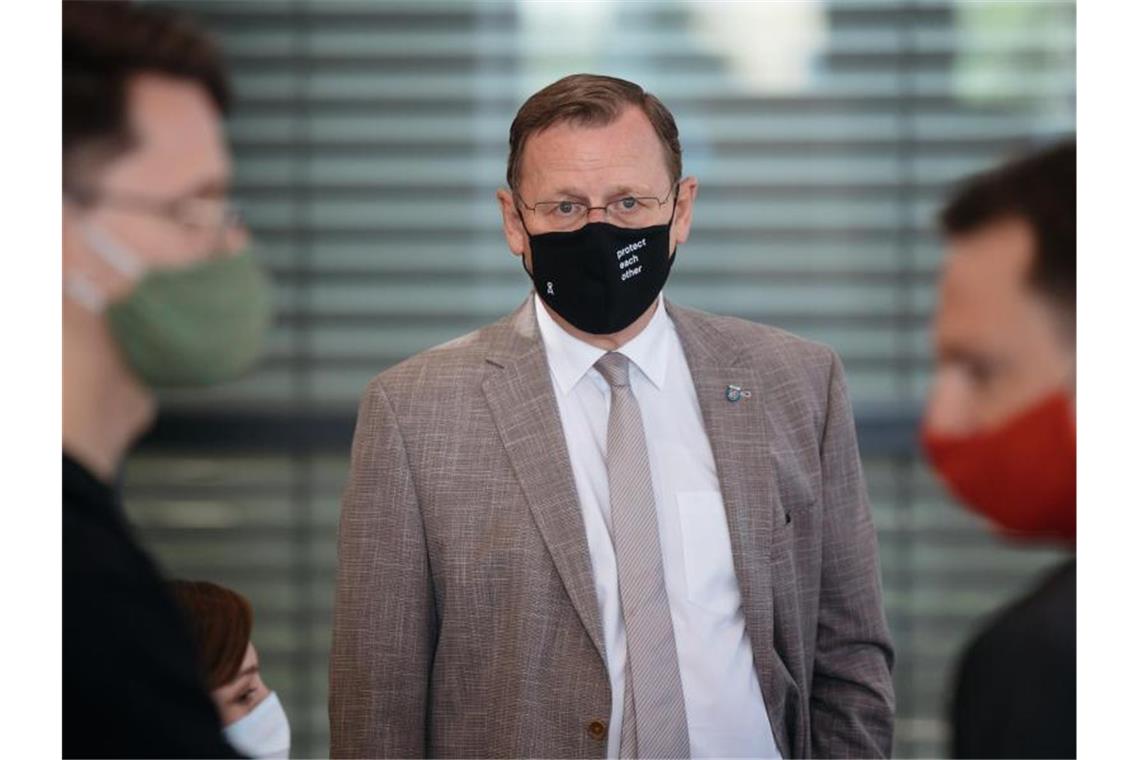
106 43
1041 189
590 100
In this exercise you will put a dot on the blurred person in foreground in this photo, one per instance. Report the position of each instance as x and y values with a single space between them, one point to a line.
607 525
1000 429
221 624
156 294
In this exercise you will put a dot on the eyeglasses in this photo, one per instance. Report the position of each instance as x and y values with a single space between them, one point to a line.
628 211
213 216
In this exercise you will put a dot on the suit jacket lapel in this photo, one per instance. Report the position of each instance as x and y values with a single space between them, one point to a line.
740 444
521 398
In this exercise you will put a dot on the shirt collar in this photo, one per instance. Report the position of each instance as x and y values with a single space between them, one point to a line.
570 358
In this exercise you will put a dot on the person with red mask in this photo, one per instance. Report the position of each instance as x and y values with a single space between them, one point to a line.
1000 430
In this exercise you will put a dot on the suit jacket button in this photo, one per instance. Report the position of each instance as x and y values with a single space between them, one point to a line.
597 729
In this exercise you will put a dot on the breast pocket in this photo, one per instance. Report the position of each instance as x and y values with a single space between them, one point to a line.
710 576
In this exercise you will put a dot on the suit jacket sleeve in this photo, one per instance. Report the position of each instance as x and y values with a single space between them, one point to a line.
852 698
384 621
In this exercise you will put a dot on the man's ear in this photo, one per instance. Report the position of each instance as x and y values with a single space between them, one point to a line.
683 218
513 230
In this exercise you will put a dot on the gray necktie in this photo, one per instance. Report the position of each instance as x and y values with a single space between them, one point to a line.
654 723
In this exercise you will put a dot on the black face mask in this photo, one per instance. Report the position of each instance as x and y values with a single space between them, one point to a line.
601 277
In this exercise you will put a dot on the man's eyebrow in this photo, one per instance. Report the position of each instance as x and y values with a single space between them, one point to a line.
953 350
620 191
215 187
624 190
571 193
957 352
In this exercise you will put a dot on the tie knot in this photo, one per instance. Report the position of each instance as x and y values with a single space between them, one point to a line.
614 368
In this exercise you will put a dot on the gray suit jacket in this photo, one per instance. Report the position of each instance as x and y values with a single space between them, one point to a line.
466 620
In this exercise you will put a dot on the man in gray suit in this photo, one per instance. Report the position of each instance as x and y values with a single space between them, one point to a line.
608 526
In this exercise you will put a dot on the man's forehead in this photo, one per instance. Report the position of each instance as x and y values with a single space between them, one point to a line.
998 254
984 281
625 152
179 141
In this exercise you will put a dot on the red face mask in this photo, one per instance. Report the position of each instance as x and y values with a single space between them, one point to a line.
1021 475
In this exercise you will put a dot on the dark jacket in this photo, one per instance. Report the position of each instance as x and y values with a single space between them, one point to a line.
130 682
1017 684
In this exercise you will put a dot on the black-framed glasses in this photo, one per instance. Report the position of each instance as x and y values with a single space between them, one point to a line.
216 216
627 211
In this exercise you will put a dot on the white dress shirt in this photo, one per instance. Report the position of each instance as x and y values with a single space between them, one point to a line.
723 703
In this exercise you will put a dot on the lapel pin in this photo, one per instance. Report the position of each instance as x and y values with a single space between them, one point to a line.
734 393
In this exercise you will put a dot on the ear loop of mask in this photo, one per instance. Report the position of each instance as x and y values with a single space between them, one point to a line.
673 213
113 252
84 292
82 288
522 221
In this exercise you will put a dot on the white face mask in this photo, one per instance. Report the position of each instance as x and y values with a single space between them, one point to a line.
262 733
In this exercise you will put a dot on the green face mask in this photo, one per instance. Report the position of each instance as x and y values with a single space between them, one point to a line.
192 326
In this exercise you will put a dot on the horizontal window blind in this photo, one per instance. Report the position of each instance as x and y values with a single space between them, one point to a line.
369 139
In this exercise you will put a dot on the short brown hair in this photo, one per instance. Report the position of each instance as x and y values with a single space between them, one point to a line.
220 623
1041 189
106 43
590 100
